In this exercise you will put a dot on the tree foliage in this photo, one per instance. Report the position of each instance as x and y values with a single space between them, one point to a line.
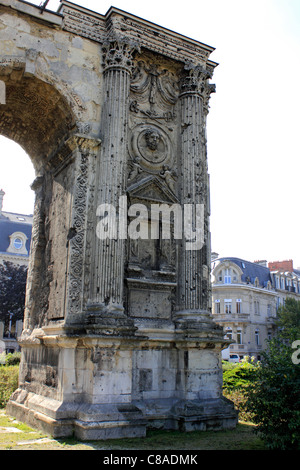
12 291
288 319
273 398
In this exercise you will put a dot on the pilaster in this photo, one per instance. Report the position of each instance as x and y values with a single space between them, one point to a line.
84 151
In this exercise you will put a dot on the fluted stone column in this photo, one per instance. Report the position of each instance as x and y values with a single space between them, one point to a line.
108 282
193 275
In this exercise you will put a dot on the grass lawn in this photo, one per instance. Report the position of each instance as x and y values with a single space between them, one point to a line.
17 436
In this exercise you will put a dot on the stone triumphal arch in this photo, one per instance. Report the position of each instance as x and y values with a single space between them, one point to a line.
118 334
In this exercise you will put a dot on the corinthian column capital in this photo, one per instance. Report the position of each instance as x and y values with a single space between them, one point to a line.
118 53
194 78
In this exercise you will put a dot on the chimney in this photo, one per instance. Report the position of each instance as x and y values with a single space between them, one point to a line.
286 265
2 193
262 262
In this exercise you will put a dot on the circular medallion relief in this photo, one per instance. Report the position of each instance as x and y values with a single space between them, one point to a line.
152 145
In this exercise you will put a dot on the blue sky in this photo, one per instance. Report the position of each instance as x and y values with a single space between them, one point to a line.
253 136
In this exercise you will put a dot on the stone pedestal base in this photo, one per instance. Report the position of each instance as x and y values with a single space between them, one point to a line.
186 416
84 421
106 387
101 422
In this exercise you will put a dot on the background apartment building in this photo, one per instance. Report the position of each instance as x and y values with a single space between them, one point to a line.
246 297
15 239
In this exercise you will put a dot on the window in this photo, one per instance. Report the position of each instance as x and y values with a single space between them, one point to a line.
269 335
282 283
227 306
256 306
269 310
277 303
18 243
227 276
239 336
217 306
238 305
228 333
295 286
257 337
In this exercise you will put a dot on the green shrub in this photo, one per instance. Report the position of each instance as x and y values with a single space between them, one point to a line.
13 359
239 376
274 397
226 365
236 380
8 383
239 397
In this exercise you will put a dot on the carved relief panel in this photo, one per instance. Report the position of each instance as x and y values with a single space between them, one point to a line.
152 179
153 120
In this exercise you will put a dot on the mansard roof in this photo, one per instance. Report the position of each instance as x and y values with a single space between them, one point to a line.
251 271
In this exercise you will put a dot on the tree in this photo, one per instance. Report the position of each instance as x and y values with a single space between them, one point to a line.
274 396
288 319
12 292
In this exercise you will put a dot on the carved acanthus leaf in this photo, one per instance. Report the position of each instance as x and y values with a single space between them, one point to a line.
118 53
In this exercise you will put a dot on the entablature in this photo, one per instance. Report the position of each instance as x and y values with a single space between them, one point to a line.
119 23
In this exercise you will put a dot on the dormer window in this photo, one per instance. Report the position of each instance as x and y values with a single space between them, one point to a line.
227 274
18 243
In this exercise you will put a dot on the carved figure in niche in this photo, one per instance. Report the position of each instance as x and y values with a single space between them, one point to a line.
135 168
170 177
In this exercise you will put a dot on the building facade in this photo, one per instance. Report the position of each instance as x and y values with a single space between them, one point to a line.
15 239
15 235
245 300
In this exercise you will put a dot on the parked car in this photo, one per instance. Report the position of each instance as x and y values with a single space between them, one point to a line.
234 358
225 354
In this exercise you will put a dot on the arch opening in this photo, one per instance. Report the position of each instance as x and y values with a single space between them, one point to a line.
39 118
36 116
16 177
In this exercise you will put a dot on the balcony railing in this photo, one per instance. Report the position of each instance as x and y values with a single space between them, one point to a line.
231 316
290 289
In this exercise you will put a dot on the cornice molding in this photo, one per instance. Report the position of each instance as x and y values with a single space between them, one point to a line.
94 26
